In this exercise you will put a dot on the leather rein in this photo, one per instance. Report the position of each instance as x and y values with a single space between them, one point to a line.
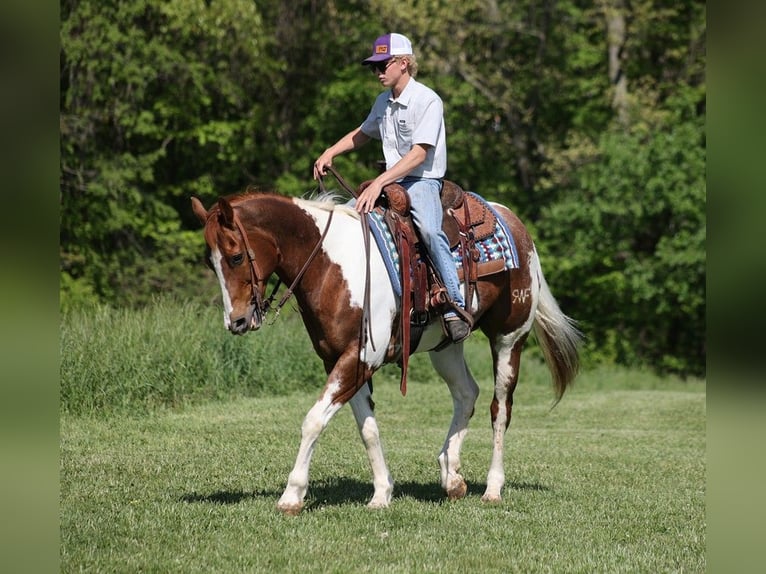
365 331
257 276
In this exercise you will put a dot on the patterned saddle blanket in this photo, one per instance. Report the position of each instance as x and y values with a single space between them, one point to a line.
496 248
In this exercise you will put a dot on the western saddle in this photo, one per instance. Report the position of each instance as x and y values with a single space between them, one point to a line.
467 220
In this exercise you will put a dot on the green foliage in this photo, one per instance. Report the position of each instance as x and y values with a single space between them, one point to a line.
151 112
162 100
170 354
75 293
627 247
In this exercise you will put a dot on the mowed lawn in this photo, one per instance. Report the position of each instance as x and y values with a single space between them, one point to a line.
611 480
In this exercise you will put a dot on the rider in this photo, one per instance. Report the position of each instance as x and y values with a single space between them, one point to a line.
409 120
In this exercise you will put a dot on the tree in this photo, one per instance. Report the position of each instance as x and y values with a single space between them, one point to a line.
156 104
586 118
626 247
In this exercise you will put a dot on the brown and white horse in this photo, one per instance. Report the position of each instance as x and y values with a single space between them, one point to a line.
254 235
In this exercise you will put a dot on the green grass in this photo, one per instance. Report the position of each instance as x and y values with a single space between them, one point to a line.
171 355
611 480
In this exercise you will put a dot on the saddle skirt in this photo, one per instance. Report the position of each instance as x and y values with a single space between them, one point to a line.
494 249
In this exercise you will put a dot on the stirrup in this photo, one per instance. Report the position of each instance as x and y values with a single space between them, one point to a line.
457 328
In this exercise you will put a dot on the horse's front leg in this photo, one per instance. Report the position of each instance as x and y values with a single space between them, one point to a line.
362 405
343 381
318 417
450 364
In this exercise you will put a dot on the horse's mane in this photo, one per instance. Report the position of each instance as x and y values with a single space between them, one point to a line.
323 200
250 192
328 201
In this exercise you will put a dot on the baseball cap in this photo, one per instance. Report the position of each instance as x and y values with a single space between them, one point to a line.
387 46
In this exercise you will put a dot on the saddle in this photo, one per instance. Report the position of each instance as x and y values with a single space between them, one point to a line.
466 221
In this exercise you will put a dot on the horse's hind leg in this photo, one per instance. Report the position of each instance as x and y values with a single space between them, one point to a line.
362 405
506 354
451 365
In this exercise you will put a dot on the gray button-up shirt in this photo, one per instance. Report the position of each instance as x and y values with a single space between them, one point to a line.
415 117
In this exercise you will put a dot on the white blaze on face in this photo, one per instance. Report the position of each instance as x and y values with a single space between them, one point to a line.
215 259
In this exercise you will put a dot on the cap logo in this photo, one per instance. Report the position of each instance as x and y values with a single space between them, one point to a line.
381 49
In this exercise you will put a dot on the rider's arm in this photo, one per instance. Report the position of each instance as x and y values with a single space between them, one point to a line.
354 139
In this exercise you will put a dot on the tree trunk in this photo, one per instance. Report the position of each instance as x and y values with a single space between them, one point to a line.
614 12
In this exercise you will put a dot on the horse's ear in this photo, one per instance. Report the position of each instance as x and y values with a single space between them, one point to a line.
199 210
227 212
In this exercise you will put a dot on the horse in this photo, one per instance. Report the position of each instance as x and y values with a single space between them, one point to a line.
315 245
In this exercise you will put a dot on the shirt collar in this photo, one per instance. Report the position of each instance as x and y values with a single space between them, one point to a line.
406 95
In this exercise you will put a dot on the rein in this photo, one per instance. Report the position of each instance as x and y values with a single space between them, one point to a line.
257 276
366 331
298 277
262 307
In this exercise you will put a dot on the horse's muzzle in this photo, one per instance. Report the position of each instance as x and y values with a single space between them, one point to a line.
243 324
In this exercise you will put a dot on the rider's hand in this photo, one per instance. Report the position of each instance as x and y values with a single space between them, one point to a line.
321 165
366 200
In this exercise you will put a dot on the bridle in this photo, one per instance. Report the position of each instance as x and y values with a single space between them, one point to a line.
257 277
255 272
262 306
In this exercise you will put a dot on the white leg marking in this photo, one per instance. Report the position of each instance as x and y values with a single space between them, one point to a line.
451 365
496 474
215 259
504 345
316 420
368 430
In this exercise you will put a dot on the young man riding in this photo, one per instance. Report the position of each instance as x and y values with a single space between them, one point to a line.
408 118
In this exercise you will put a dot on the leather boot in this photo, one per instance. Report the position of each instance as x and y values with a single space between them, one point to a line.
457 329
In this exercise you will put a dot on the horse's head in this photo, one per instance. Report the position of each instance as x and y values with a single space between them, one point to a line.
243 257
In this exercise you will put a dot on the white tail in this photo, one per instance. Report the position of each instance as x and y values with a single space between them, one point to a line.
557 334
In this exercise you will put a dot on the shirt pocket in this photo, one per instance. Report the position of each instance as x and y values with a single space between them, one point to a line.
404 129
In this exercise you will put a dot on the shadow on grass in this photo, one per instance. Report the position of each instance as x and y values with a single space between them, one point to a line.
224 497
341 491
526 486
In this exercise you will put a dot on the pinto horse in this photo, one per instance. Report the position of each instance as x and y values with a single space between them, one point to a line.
316 247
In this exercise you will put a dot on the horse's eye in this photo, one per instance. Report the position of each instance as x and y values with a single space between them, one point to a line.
237 259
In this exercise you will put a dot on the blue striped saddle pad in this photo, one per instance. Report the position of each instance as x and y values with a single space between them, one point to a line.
497 247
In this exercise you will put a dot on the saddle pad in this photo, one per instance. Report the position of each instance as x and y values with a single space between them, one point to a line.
385 242
497 247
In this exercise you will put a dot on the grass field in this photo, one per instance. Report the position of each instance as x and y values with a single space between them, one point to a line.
611 480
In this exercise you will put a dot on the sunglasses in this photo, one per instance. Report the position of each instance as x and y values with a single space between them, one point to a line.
381 67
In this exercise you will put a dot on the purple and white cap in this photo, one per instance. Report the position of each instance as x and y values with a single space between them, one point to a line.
388 46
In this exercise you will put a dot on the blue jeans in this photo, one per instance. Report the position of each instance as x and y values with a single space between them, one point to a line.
427 215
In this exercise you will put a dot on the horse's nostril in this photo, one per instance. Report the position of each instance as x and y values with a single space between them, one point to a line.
239 325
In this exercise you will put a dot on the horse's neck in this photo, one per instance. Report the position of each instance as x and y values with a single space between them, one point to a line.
289 225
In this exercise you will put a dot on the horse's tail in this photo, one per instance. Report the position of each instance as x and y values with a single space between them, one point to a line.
557 334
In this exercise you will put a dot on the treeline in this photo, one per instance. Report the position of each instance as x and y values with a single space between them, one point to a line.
586 118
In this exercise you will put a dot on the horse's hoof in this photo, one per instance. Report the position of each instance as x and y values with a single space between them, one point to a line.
457 491
491 499
377 504
290 509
